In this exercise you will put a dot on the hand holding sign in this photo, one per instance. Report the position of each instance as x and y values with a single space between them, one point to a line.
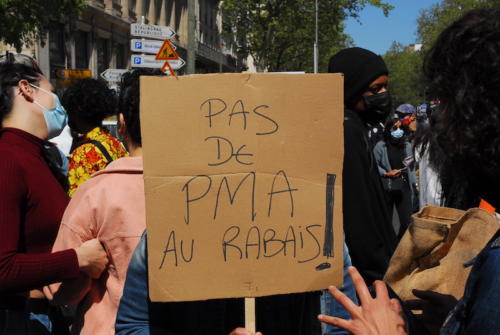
243 331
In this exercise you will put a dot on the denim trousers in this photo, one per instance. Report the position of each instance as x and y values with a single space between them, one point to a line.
330 306
19 322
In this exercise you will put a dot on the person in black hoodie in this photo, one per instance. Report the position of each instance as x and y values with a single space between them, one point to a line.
368 229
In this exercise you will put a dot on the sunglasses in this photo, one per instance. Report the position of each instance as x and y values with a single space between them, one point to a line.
11 58
377 88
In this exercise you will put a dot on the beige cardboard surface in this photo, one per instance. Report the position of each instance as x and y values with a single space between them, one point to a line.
264 220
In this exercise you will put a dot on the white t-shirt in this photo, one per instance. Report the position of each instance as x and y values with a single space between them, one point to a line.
428 181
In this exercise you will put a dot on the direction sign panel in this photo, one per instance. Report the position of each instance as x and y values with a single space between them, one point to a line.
149 61
151 31
113 74
176 64
146 46
73 74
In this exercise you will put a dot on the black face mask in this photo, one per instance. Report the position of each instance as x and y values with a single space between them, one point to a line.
72 125
378 107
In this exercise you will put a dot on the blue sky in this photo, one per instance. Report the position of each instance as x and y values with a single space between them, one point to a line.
377 32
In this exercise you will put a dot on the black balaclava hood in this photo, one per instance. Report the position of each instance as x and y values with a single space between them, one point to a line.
360 68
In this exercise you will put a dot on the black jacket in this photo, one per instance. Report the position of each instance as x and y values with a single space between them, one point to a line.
369 234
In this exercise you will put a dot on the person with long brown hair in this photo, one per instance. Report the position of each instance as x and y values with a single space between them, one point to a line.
463 69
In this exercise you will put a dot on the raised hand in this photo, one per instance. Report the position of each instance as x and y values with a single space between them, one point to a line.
375 316
434 306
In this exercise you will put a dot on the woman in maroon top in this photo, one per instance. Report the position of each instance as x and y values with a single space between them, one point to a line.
32 202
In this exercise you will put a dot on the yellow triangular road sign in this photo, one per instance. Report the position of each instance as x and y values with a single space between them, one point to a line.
167 52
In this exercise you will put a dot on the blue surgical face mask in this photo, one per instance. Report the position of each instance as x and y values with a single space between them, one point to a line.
398 133
56 118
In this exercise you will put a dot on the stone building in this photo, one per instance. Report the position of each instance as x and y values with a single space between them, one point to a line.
100 38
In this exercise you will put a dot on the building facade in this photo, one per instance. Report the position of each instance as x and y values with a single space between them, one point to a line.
100 38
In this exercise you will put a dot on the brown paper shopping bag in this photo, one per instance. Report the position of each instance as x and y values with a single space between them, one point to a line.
432 253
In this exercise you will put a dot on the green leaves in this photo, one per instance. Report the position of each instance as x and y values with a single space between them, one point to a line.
434 20
405 75
23 21
405 65
280 34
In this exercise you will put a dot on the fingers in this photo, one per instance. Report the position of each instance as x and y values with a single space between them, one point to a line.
396 306
431 296
344 300
414 304
341 323
381 290
242 331
360 285
419 317
424 294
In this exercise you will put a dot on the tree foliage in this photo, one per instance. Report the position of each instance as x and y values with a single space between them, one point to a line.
434 20
405 65
24 21
280 34
405 83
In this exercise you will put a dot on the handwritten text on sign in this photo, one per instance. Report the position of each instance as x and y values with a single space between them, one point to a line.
241 188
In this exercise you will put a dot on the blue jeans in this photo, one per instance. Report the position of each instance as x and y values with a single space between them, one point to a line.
135 310
41 320
14 322
330 306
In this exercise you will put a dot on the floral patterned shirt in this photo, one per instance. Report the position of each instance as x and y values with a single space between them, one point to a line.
87 159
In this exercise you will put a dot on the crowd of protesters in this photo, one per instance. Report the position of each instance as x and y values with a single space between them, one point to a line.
89 251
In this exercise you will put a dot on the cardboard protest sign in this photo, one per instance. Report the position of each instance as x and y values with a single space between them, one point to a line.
243 179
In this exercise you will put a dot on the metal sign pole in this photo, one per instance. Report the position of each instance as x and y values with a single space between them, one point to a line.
316 53
191 47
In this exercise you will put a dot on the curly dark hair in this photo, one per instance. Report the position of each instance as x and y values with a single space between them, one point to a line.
10 75
463 70
90 100
128 102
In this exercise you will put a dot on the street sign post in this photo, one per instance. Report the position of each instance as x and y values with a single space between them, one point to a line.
176 64
66 77
146 46
73 74
164 58
167 52
114 75
167 69
149 61
151 31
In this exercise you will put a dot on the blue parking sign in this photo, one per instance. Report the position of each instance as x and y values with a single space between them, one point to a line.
138 45
137 60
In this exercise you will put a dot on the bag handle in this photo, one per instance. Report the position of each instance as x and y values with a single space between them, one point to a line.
102 149
433 258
